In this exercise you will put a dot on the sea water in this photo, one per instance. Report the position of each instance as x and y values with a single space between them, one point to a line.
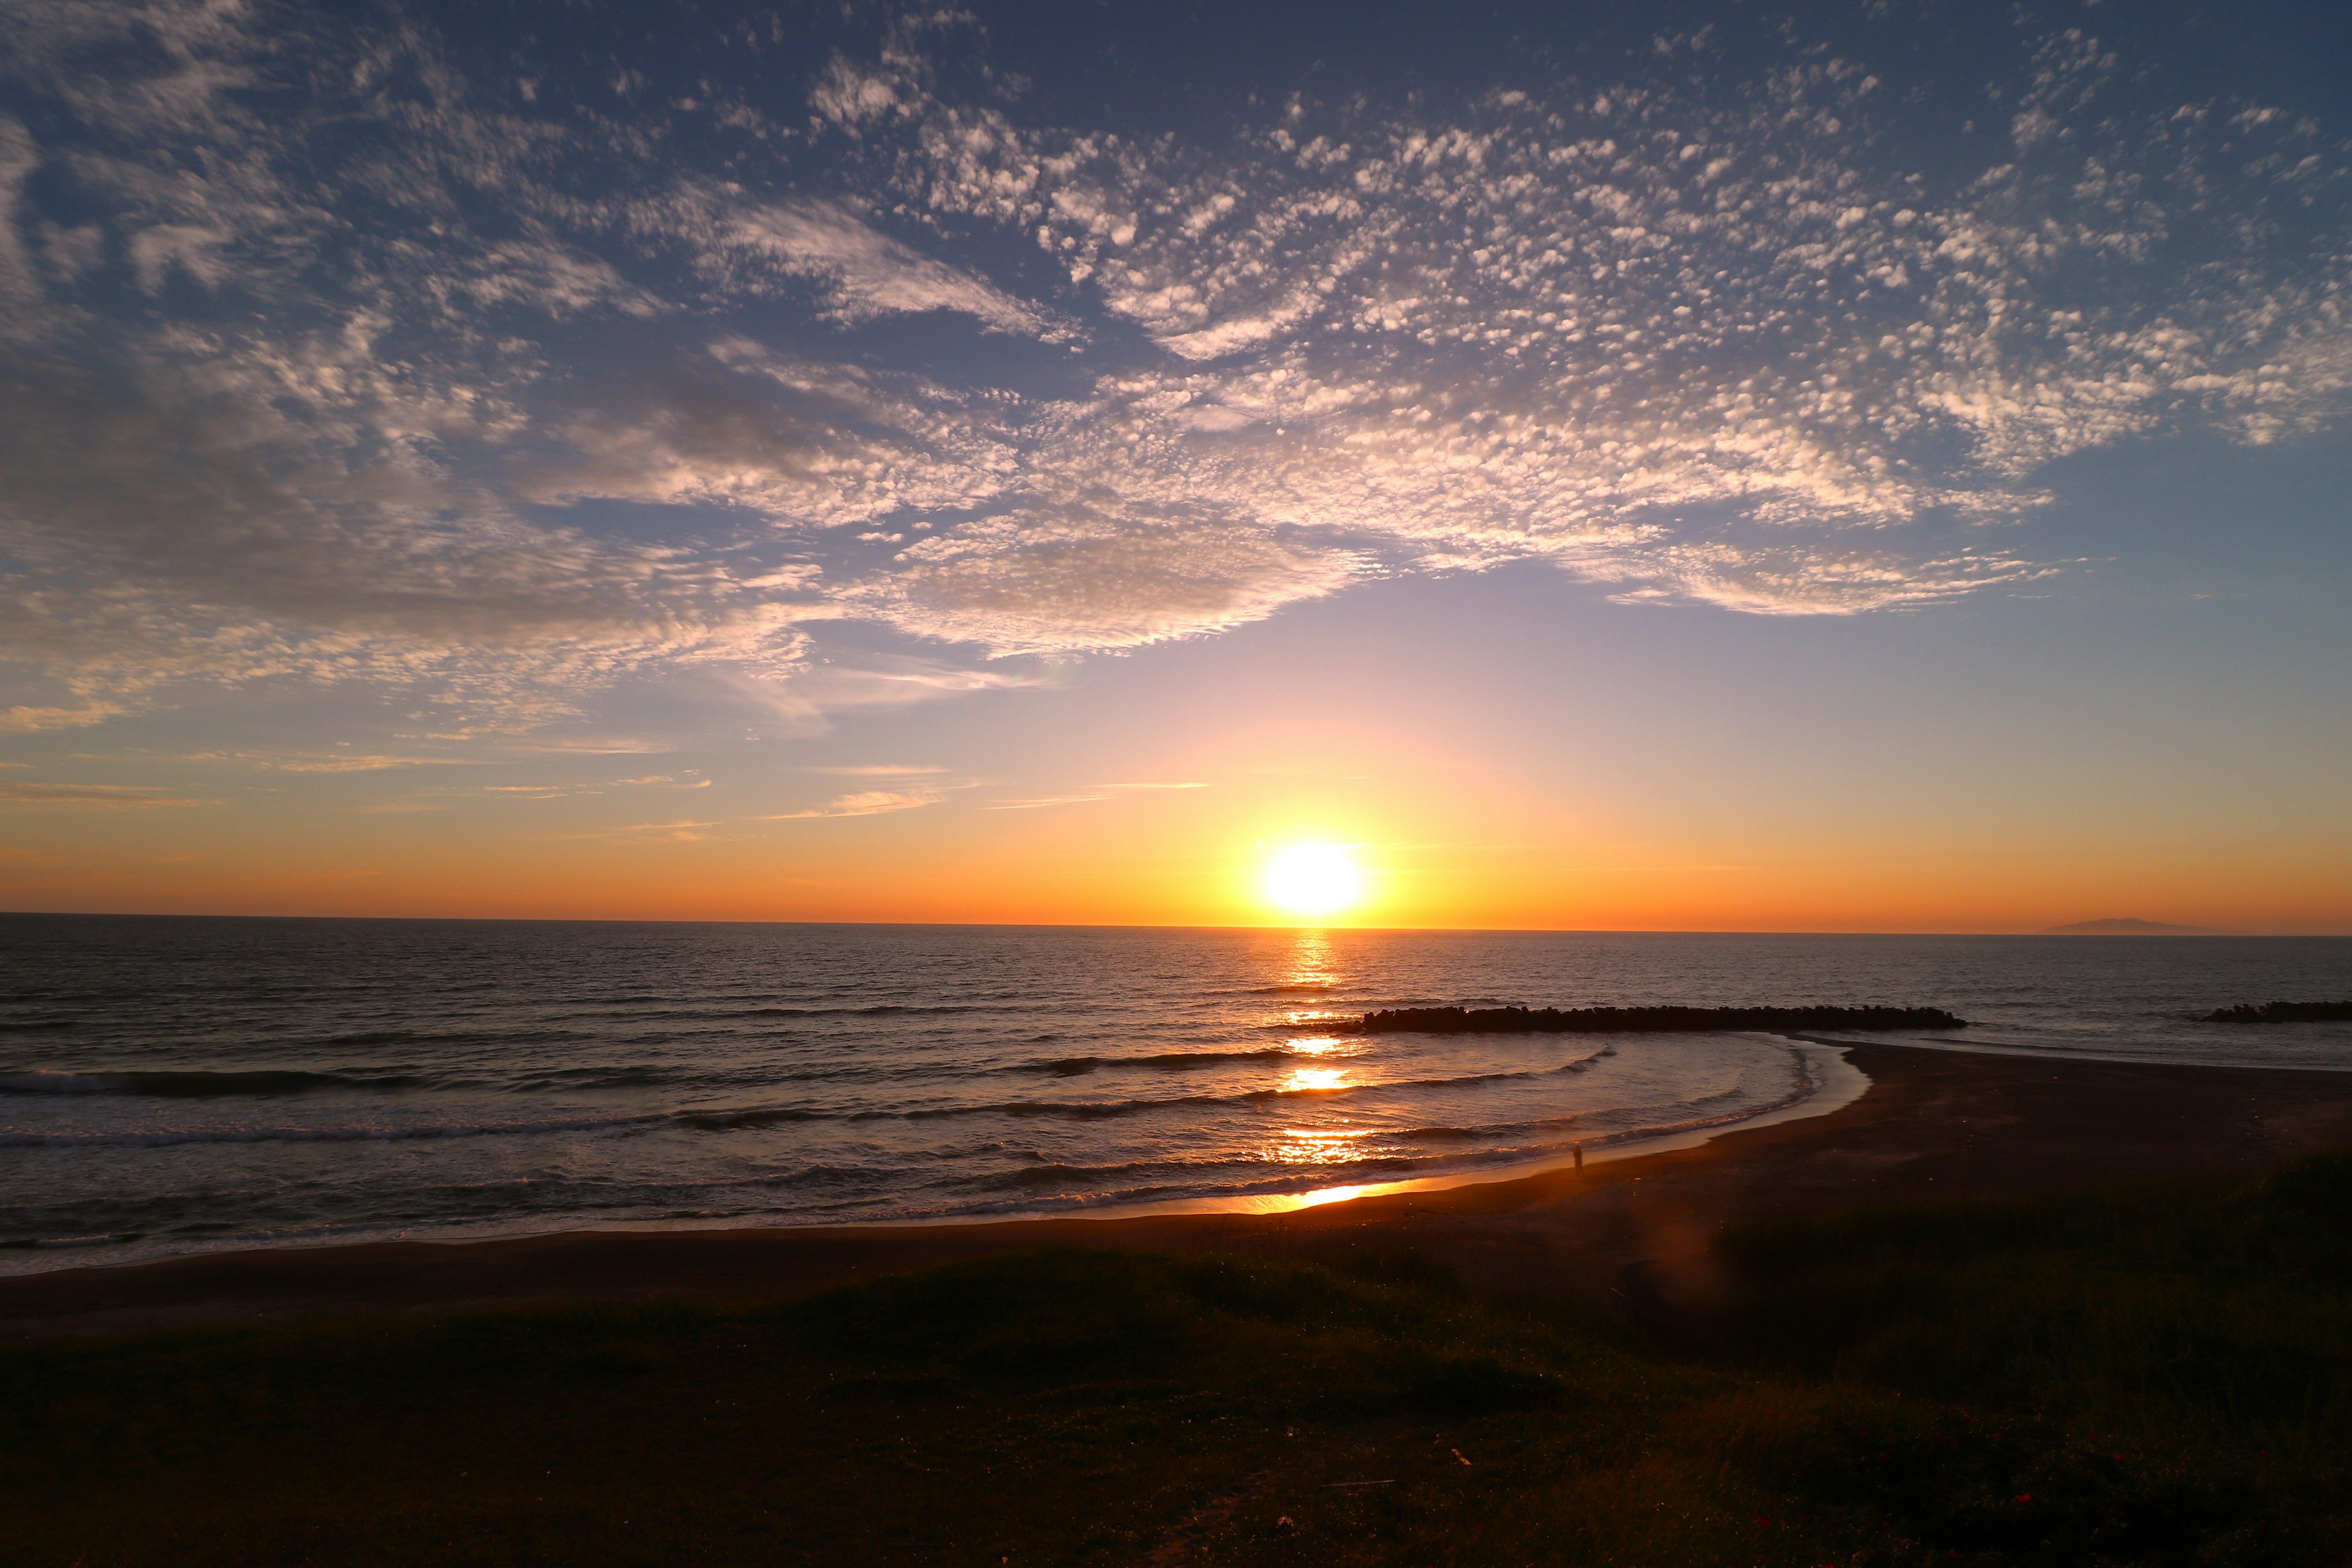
170 1085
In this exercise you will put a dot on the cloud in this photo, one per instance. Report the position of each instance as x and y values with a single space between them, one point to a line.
354 764
105 798
798 442
24 717
1075 577
864 803
327 360
1091 793
1624 331
160 542
673 832
324 762
548 277
878 770
863 274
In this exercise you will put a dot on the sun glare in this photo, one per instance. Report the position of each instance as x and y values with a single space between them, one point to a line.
1313 879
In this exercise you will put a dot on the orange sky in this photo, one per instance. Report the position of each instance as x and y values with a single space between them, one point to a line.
1448 845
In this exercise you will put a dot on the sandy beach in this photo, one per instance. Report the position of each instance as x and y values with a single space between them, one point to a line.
1934 1124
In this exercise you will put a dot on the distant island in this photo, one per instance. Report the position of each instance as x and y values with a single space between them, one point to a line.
1644 1020
2126 927
2283 1012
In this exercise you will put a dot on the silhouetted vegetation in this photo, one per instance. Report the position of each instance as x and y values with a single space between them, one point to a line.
1645 1020
2283 1012
2158 1376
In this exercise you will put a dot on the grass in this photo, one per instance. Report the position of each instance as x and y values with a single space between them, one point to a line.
2149 1377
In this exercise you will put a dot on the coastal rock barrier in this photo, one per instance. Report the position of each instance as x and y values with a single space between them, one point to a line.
2283 1012
1644 1020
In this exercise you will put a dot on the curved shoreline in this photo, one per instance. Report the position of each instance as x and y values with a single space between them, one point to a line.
1934 1125
1832 1083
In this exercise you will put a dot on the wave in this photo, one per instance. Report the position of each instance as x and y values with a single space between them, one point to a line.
1676 1020
1061 1067
1174 1179
1182 1061
1104 1110
878 1010
1073 1110
1470 1134
591 1077
1095 1110
263 1083
1166 1061
755 1116
1055 1175
174 1138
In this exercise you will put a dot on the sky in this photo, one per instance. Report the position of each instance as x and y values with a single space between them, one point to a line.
1871 466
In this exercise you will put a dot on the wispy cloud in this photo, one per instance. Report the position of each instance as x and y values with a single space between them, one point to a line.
863 273
674 832
863 803
24 717
324 762
104 797
1041 801
875 770
1087 793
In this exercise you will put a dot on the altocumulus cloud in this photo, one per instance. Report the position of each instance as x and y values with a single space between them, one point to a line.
332 351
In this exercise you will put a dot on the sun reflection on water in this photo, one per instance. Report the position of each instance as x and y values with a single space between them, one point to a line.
1310 960
1313 1079
1327 1195
1318 1145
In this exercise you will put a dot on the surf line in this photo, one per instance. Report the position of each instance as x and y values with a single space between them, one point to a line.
1831 1084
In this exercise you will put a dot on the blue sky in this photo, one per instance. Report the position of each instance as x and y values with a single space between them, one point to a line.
1862 426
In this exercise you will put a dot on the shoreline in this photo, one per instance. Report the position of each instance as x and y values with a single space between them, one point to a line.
1927 1124
1833 1083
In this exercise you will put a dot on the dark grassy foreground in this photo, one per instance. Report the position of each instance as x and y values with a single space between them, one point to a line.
2143 1377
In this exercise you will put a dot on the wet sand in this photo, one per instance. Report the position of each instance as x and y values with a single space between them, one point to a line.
1632 1234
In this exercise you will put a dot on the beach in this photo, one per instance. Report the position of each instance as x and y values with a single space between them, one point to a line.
1631 1234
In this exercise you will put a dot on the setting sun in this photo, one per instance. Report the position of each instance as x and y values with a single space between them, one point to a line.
1313 879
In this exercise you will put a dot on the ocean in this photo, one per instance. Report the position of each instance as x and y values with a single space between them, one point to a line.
173 1085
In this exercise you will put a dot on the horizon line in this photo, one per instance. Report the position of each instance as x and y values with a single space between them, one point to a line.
2057 932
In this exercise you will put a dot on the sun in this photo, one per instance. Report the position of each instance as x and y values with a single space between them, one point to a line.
1313 879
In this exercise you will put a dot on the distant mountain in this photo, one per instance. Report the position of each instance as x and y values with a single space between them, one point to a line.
2126 927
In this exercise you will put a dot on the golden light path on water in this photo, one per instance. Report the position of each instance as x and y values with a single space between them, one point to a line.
1841 1085
1311 966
